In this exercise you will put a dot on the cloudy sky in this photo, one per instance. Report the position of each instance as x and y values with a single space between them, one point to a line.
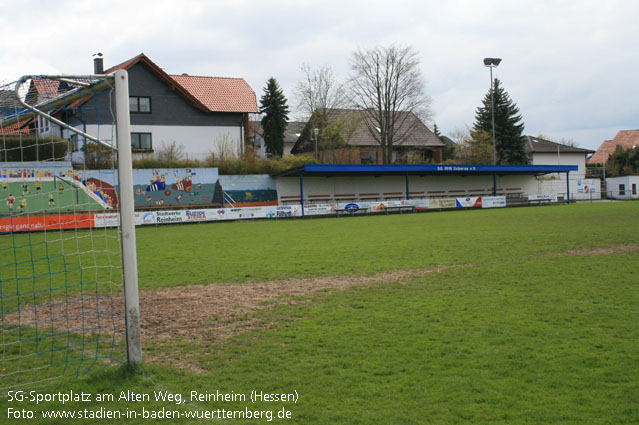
571 66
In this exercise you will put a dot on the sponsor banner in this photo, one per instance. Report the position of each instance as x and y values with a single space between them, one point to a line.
216 214
195 215
419 204
247 212
113 219
107 220
168 217
443 203
468 202
493 201
51 222
552 197
145 217
586 186
270 211
352 205
289 211
319 209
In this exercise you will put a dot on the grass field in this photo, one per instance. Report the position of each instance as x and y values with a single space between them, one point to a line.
537 324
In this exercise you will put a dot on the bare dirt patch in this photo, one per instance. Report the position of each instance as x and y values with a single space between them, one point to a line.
200 313
601 251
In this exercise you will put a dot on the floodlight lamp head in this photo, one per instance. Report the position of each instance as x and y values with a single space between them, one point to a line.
492 61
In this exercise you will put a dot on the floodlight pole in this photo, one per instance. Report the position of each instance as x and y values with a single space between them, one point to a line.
491 63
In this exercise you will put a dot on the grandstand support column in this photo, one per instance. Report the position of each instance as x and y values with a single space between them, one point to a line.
568 186
127 219
302 192
407 188
494 184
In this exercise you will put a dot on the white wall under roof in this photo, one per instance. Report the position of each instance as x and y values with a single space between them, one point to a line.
613 187
578 159
198 141
321 189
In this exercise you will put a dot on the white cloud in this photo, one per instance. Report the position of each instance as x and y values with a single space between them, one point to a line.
569 66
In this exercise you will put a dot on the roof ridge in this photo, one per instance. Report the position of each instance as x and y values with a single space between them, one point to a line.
206 76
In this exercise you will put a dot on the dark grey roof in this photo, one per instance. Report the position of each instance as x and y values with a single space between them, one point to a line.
360 134
293 131
537 145
291 134
448 141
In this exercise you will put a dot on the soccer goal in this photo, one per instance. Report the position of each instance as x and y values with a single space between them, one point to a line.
68 286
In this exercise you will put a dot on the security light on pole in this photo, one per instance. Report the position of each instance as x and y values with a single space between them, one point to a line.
315 136
491 63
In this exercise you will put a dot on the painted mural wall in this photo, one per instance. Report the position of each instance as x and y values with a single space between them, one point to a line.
249 190
51 188
57 187
168 187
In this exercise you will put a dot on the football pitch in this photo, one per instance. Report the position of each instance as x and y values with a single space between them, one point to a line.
512 316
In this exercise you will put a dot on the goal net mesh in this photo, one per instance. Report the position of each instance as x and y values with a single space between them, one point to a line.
60 277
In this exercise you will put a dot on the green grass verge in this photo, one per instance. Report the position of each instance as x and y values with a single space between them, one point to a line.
522 337
267 250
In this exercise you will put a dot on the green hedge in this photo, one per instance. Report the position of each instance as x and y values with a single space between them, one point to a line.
32 148
249 164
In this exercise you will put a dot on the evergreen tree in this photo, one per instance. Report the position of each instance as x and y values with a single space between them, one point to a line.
448 151
509 142
273 106
436 131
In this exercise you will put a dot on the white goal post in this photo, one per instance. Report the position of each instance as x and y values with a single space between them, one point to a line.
63 310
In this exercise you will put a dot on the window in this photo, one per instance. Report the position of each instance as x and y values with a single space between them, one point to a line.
368 157
140 104
634 188
43 124
141 141
622 189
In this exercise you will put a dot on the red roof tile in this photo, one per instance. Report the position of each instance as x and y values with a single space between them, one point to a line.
626 138
214 94
219 94
16 129
126 64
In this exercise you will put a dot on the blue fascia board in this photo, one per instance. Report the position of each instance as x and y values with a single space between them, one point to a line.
436 169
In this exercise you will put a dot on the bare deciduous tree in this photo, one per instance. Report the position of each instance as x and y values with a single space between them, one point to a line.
387 85
170 151
318 93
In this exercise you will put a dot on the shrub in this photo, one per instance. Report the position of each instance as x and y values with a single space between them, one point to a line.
248 163
98 156
32 148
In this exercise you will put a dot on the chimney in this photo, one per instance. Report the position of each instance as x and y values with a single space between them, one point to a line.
98 64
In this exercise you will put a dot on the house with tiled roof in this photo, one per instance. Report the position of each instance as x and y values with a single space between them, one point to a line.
202 115
627 139
413 139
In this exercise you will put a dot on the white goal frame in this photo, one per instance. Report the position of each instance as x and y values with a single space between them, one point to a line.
120 81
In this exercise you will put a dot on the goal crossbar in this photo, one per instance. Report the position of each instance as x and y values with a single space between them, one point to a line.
101 82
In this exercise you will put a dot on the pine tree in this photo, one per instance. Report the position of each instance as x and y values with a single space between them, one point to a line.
436 131
273 106
448 151
509 141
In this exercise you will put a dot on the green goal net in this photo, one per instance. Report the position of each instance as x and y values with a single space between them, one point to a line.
61 296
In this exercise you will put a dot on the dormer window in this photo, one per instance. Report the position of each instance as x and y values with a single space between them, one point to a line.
140 104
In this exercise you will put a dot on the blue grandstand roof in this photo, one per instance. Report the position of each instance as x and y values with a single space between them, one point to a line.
425 169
